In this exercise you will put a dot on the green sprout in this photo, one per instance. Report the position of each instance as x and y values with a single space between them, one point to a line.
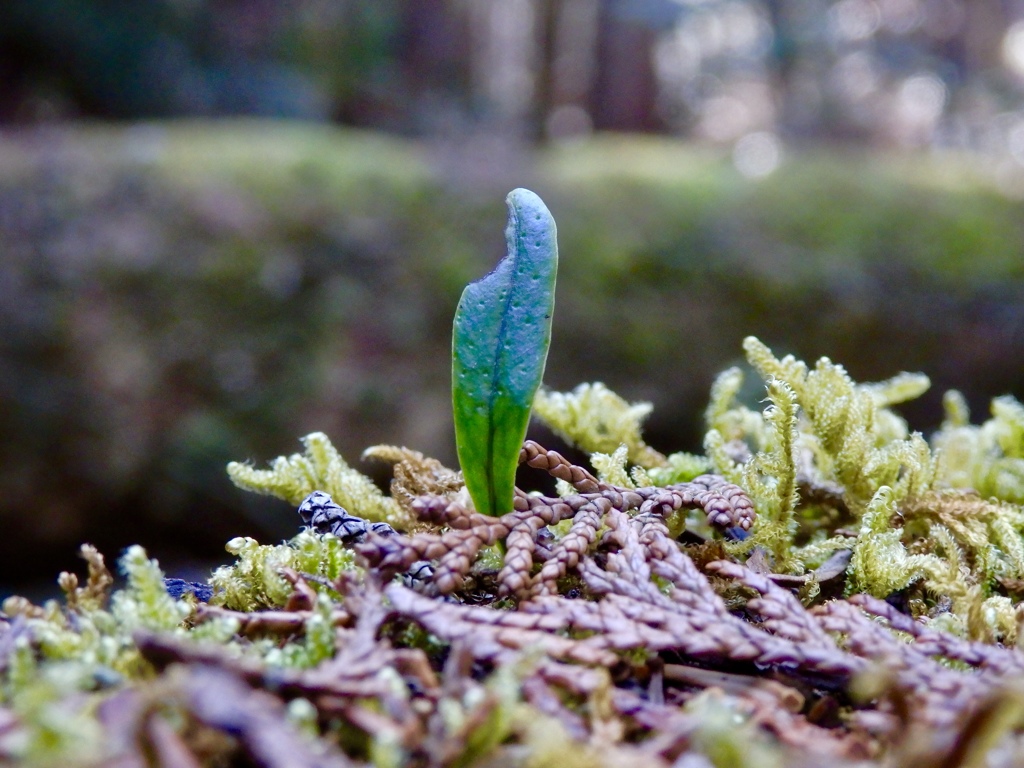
500 342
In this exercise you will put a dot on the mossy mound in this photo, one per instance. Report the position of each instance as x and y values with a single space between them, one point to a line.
176 295
834 589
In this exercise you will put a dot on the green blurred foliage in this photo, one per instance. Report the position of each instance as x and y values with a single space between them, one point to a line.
176 296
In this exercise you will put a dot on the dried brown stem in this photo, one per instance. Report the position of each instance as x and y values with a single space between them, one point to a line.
269 622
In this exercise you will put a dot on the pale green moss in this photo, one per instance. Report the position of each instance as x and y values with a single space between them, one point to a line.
611 468
988 458
145 604
317 643
485 715
67 652
881 564
680 467
99 639
303 715
254 580
725 735
58 728
731 420
597 420
855 439
827 432
770 478
321 468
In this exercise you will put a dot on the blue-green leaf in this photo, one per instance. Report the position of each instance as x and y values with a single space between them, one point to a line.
500 343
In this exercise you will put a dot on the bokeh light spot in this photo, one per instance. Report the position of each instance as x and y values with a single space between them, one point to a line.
757 154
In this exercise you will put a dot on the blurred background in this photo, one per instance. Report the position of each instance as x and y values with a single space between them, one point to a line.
227 223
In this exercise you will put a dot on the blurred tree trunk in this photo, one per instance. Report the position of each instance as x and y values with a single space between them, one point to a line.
566 66
984 26
435 53
503 63
626 87
799 62
545 97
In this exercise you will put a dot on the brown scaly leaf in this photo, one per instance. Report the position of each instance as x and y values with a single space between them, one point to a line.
162 650
495 634
456 549
781 613
994 658
565 555
793 730
691 620
907 675
352 673
913 672
645 601
622 666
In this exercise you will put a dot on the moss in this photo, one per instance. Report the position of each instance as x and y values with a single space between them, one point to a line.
597 420
827 452
892 485
96 640
61 730
726 736
321 468
254 581
988 457
881 564
317 644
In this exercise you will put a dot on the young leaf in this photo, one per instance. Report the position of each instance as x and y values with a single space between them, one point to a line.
500 343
